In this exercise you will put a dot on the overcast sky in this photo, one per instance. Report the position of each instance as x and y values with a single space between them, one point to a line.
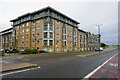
88 12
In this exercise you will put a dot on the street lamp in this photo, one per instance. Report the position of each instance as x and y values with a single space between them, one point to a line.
99 35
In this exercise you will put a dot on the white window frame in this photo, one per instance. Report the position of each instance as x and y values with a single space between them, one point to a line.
38 21
27 24
27 30
23 25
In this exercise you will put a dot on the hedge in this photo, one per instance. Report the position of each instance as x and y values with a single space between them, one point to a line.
29 51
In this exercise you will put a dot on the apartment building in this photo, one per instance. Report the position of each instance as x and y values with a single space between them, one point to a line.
82 40
93 41
47 30
7 39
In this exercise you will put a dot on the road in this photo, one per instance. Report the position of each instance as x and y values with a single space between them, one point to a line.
61 66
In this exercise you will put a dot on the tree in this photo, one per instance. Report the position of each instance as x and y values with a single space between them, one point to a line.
103 45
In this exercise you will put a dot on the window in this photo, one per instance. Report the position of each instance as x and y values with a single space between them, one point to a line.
45 34
80 40
50 42
33 23
57 41
67 26
27 24
70 43
57 49
17 27
50 49
64 43
38 21
75 38
57 22
27 30
74 43
64 31
37 48
38 27
33 29
37 34
20 31
17 37
45 43
45 49
45 27
23 30
26 35
22 36
33 35
26 42
23 25
57 35
22 42
57 28
51 27
17 31
37 42
65 49
64 37
51 34
33 42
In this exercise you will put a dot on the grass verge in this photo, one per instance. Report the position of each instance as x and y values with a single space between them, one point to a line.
19 68
87 55
64 52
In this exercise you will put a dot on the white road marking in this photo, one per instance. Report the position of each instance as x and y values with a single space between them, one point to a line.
18 71
90 74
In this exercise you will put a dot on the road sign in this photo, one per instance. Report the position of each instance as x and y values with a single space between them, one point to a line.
56 43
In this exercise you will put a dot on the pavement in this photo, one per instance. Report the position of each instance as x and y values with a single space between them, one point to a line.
17 66
59 66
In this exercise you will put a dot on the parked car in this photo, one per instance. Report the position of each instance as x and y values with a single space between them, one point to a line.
1 52
42 51
101 49
13 49
7 50
1 49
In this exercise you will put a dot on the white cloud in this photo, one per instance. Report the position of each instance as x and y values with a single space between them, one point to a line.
88 13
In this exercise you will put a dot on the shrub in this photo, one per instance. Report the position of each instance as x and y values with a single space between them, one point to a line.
14 51
1 53
27 51
34 51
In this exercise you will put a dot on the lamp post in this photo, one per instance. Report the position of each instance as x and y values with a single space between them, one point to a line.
99 36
